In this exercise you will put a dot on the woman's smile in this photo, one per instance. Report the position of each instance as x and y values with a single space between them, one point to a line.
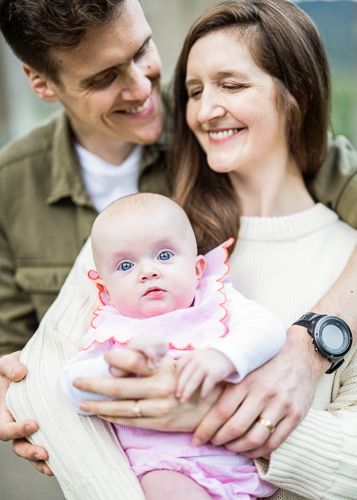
220 136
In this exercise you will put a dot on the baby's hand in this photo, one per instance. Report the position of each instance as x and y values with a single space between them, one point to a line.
151 346
206 367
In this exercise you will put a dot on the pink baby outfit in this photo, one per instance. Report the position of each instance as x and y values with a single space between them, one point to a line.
225 475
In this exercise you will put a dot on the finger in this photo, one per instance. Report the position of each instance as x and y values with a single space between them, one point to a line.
283 430
124 409
119 388
259 433
118 373
12 368
182 362
14 430
224 408
207 387
28 451
42 467
247 413
128 360
144 423
185 375
192 384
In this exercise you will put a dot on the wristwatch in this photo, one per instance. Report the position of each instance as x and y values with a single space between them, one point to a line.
330 335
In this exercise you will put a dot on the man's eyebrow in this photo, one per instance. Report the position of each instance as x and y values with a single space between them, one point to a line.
95 75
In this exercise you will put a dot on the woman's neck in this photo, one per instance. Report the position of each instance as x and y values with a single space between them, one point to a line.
272 190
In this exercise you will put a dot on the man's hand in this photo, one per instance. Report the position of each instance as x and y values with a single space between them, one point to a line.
11 370
281 391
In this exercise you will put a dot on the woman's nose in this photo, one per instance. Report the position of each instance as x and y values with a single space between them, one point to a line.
210 108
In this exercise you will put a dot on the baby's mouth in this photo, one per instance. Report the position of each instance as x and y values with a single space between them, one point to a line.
154 291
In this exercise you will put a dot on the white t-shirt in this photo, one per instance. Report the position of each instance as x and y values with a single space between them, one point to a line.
105 182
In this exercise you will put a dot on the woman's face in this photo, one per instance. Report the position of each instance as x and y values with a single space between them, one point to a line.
232 106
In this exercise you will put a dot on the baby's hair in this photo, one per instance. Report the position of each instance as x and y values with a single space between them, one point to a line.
143 204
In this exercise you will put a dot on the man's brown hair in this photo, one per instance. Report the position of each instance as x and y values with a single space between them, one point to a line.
284 43
33 27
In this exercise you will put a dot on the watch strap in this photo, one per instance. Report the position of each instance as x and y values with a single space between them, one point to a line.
307 318
335 366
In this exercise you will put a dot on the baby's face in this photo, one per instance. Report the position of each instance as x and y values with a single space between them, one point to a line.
148 263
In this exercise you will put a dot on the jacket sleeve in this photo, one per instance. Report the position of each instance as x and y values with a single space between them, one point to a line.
84 452
18 320
255 334
336 184
319 458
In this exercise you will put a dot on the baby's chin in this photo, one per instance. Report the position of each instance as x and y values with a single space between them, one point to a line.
154 309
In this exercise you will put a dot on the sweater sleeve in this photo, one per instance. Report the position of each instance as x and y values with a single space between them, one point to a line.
255 334
319 458
84 453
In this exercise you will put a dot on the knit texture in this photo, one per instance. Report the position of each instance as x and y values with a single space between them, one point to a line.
286 264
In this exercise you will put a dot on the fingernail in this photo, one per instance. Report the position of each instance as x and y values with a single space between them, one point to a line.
37 456
16 371
29 428
78 383
84 407
196 442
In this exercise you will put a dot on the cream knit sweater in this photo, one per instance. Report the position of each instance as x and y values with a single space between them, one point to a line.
286 264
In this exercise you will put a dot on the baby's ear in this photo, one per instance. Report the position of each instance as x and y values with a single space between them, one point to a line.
102 287
200 267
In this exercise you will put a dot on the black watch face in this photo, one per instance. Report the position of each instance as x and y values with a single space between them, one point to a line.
333 336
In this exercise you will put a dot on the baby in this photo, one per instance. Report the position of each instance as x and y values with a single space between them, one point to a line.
160 298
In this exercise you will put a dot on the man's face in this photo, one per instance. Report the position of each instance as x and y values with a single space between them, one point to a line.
110 84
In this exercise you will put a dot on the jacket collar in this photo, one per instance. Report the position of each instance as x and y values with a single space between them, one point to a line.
66 181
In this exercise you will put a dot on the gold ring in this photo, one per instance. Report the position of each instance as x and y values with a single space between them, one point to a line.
136 410
267 424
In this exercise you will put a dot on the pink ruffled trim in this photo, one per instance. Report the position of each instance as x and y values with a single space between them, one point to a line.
93 275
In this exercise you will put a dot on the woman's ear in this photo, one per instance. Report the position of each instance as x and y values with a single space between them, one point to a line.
40 84
200 267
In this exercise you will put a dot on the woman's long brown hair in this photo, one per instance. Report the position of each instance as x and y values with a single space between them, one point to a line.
284 43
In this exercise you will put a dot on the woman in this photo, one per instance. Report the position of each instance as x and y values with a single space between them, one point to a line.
253 83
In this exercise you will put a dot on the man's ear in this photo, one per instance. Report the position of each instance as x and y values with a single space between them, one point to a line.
40 84
200 267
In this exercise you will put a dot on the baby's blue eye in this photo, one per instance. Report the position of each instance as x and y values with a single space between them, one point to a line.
165 256
125 266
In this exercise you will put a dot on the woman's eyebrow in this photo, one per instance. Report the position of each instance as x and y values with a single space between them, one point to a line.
219 75
115 66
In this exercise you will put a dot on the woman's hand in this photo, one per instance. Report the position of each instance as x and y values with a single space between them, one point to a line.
154 391
11 370
281 392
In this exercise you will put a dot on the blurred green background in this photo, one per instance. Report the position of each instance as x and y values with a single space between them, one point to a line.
170 19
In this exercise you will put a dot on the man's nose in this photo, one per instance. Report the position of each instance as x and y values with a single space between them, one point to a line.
137 85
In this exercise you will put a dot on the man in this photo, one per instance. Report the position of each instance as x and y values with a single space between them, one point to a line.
111 104
98 59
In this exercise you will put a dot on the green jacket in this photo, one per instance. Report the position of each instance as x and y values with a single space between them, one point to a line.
45 218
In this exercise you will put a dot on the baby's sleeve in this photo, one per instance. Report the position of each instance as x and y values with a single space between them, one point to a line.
89 363
255 334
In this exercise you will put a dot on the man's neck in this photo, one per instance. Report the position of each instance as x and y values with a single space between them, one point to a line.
108 149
